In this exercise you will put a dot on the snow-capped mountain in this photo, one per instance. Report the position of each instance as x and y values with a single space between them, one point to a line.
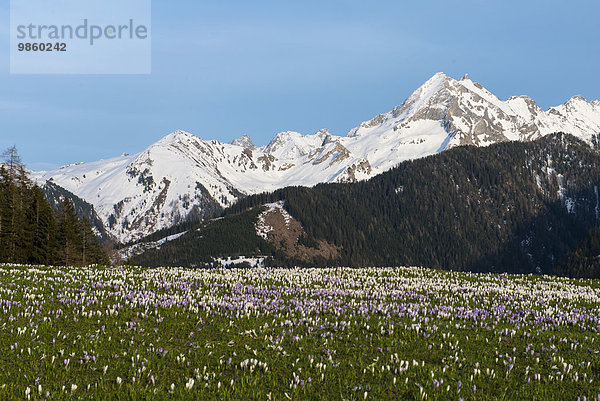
183 175
244 141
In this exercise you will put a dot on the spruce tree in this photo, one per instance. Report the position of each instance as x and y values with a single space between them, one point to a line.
4 213
14 187
29 231
44 229
69 235
91 251
24 230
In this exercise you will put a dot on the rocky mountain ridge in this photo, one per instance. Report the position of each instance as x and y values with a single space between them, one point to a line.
183 176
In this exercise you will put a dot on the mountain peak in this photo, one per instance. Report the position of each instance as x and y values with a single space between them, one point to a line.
292 145
443 113
182 174
244 141
577 98
432 85
418 100
176 136
436 80
286 139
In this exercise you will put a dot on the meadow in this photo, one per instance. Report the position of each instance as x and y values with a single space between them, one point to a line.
130 333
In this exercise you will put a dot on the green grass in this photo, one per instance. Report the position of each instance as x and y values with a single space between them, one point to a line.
313 334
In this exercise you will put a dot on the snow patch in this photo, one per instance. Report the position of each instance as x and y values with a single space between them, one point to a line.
253 262
570 205
262 228
138 249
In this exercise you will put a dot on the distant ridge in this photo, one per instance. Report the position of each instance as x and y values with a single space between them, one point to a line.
182 175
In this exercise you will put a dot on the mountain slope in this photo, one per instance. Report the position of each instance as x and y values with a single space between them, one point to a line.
515 207
182 176
55 195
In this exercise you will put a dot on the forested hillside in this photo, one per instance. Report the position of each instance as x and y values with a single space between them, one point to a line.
231 236
513 207
583 262
55 195
32 232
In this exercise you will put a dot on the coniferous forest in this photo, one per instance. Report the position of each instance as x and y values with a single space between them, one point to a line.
32 232
511 207
519 207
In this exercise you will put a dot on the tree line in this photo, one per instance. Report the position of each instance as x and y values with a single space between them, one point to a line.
32 232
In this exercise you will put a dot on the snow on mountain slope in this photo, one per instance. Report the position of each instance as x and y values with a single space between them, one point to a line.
182 175
244 141
445 112
139 248
140 194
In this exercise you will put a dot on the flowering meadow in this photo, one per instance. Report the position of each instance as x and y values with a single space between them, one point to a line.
277 334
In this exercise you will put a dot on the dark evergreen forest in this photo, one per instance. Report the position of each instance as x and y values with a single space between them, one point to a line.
32 232
520 207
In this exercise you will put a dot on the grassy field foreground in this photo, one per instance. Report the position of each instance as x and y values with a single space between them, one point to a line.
355 334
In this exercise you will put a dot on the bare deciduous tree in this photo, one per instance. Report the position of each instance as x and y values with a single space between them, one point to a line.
12 160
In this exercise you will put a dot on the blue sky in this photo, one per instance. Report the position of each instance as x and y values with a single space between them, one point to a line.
227 68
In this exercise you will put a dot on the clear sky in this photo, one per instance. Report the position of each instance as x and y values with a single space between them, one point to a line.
221 69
